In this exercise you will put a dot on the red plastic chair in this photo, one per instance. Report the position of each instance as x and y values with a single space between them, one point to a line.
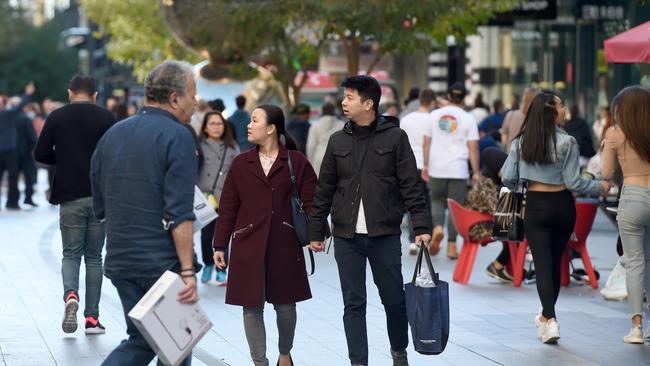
585 216
463 220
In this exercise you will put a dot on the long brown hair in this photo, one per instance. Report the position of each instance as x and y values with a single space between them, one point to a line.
631 111
538 130
228 136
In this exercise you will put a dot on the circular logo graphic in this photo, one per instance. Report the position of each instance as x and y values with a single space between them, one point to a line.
448 124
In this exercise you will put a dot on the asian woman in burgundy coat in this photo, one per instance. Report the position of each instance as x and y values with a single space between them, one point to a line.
266 262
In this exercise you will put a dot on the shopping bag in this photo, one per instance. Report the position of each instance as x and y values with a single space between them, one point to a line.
427 308
615 288
203 210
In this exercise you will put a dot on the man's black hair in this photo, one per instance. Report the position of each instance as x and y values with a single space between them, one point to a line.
81 83
367 87
240 101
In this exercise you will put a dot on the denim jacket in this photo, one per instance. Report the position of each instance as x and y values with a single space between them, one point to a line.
565 169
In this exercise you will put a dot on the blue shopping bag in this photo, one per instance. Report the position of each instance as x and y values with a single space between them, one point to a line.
427 309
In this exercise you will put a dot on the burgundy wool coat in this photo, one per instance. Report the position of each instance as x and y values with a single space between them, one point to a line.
266 262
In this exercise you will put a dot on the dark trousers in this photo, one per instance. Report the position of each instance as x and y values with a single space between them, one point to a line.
384 254
27 166
549 221
427 202
9 163
134 351
504 256
207 234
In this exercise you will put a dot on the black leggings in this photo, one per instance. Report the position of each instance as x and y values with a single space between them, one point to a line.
549 221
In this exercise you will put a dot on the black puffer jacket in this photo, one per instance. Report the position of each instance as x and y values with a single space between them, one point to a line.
387 180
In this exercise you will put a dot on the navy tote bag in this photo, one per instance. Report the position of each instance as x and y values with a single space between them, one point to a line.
427 309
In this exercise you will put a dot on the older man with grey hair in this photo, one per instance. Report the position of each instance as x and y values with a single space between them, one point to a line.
143 175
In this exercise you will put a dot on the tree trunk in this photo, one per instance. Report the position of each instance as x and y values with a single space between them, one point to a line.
374 62
353 55
297 88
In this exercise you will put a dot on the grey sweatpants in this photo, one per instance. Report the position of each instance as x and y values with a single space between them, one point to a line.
634 226
440 189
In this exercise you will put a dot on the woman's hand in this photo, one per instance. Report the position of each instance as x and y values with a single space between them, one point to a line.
220 259
605 185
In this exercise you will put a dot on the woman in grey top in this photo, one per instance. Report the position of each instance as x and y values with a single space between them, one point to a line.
546 157
219 149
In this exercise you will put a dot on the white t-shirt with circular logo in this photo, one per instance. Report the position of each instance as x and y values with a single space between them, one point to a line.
450 129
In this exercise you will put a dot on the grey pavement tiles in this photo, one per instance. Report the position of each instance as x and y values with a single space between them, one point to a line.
491 322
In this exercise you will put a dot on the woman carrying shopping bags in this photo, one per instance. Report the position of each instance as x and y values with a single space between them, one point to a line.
628 141
547 158
219 149
266 262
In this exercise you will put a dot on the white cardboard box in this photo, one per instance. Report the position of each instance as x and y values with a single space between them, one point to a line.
172 329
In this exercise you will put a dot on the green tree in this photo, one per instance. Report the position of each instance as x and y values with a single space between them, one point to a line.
405 26
32 59
232 33
138 35
286 35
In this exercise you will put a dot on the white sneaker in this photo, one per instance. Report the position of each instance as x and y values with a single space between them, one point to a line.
551 332
413 249
540 325
635 336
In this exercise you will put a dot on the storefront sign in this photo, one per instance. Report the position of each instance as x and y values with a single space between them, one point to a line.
528 10
604 12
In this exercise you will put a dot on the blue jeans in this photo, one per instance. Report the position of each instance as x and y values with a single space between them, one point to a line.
634 226
385 256
134 351
82 235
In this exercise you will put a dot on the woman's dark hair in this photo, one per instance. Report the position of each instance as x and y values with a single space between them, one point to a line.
121 112
228 136
275 117
538 130
631 111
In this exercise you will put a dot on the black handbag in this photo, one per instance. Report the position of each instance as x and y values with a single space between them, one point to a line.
509 215
300 218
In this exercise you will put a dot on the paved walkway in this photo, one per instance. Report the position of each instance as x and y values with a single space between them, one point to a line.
492 323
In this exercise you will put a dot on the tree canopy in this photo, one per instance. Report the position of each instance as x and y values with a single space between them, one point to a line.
285 35
28 53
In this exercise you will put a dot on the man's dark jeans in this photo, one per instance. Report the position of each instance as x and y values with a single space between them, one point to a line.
9 163
134 351
385 256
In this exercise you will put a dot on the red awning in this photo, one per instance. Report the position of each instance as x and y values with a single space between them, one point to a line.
629 47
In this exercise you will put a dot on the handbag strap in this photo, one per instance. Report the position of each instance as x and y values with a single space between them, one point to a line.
295 193
223 159
293 176
418 265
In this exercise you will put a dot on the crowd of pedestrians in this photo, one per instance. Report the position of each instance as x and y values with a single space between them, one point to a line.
124 175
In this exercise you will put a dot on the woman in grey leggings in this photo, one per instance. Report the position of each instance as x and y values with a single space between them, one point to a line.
628 141
266 262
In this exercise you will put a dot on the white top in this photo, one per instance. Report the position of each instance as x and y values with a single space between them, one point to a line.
361 228
479 114
450 129
415 125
